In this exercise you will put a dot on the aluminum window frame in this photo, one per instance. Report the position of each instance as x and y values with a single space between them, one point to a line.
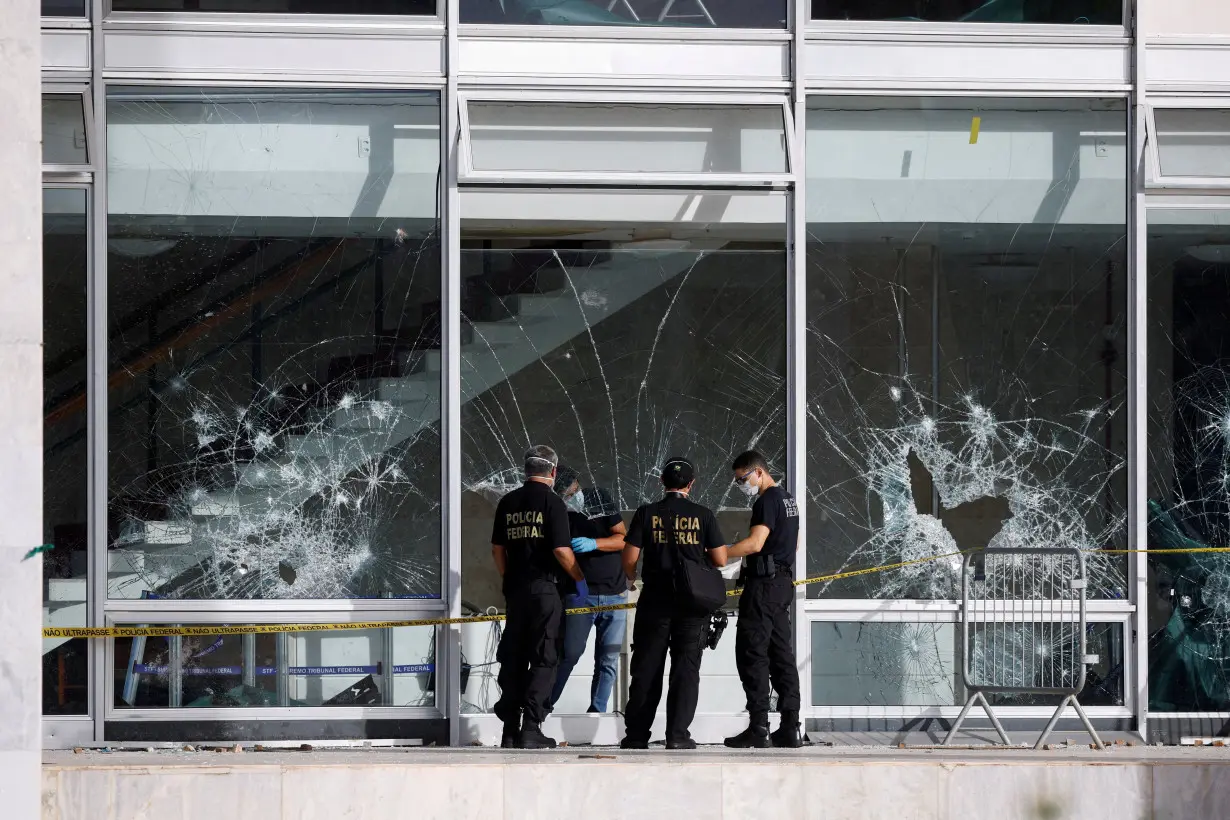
468 175
84 91
111 712
1031 32
1154 178
266 21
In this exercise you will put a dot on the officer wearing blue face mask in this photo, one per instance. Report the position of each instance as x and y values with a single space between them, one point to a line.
598 540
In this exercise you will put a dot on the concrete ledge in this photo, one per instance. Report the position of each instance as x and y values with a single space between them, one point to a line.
597 783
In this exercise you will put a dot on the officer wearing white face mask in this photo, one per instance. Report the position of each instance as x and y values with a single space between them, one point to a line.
764 638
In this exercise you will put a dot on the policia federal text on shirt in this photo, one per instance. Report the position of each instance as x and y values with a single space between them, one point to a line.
764 639
532 549
673 529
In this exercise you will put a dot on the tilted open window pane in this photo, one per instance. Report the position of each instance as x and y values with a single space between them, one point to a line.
274 353
966 291
64 130
603 138
1192 142
346 667
621 328
640 13
1189 458
427 7
1078 12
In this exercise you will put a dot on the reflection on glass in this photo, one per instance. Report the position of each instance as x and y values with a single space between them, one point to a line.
282 6
1084 12
63 8
711 13
63 129
274 355
663 139
619 327
1193 142
919 664
1189 456
966 331
360 667
65 454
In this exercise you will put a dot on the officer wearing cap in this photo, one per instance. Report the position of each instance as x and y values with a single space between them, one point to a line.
597 539
673 529
764 638
532 550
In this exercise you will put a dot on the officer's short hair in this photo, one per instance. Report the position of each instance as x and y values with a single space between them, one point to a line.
540 460
750 460
677 473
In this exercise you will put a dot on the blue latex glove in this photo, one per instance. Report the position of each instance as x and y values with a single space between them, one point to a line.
583 545
582 590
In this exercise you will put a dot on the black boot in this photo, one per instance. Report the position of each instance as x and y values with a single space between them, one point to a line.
788 735
631 743
508 740
681 743
755 736
531 737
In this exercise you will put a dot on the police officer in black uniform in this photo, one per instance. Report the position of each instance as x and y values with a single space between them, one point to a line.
764 639
532 550
673 529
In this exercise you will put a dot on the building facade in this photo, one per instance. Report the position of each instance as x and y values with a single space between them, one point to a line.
316 273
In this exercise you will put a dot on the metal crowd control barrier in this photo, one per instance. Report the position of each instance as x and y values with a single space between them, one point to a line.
1023 630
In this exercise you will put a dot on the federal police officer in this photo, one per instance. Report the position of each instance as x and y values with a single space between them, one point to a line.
532 550
674 529
764 640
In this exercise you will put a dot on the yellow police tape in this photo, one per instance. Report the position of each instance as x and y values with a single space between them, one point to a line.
266 629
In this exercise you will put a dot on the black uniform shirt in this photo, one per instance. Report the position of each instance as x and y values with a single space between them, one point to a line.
530 523
776 509
673 523
603 571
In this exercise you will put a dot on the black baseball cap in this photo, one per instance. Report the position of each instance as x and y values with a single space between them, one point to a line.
677 473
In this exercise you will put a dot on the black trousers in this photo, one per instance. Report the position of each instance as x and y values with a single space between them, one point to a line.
660 627
764 645
529 652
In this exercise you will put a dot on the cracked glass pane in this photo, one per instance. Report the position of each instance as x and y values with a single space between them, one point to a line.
673 13
1079 12
353 667
966 282
1189 459
65 455
274 344
620 328
888 663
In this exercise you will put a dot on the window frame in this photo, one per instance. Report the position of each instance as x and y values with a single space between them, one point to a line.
83 91
1154 178
467 174
1047 31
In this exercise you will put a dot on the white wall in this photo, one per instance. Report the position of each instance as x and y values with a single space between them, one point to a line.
1196 18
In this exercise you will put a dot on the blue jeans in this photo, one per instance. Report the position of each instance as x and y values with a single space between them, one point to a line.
609 640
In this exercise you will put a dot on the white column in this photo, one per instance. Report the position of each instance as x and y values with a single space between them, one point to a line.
21 425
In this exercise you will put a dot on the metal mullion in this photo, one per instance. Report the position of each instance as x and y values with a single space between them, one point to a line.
1058 34
538 94
100 680
794 117
1138 318
585 178
453 129
496 31
274 23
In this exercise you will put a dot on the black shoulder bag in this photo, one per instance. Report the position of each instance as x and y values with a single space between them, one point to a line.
698 584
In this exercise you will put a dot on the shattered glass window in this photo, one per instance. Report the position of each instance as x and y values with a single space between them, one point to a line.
620 328
1189 458
1077 12
66 459
360 667
273 302
966 293
889 663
